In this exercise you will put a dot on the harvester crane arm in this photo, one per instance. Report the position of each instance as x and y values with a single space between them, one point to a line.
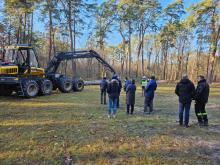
61 56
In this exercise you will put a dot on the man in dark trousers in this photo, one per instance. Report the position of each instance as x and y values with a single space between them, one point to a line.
185 90
113 93
201 98
103 89
130 97
149 95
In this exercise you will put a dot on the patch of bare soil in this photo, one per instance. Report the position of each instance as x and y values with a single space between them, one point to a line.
214 147
213 106
214 128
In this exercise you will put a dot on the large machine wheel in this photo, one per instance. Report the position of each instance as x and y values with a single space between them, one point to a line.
46 87
5 91
30 88
78 85
64 85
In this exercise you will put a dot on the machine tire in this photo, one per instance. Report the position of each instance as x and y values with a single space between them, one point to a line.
46 87
78 85
30 88
64 85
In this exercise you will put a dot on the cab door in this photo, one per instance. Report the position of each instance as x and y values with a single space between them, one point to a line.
35 69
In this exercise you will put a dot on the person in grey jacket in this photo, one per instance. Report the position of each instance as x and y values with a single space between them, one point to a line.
130 97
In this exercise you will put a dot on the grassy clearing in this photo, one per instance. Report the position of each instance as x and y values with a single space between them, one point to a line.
46 130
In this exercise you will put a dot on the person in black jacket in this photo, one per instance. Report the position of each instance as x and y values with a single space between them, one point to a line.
201 98
103 89
185 90
113 93
130 96
116 77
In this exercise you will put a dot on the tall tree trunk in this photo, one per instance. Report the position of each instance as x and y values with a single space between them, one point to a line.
165 54
28 28
198 55
138 54
182 61
50 28
215 38
53 42
71 34
24 29
74 39
129 49
9 31
123 58
19 30
142 49
149 60
32 24
187 62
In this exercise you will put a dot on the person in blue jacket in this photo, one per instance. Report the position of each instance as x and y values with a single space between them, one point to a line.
149 95
127 82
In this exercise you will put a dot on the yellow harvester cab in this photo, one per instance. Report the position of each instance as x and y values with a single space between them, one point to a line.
20 72
20 60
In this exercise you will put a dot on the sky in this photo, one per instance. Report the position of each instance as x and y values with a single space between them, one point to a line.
113 38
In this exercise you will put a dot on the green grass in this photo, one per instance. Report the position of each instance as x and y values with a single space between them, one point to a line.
45 130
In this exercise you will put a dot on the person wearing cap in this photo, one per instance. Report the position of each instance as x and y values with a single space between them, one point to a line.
201 98
149 95
130 97
103 89
185 90
143 84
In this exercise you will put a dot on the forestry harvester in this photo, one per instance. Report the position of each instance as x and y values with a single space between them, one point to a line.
20 72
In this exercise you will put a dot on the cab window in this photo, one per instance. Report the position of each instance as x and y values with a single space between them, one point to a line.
33 59
21 57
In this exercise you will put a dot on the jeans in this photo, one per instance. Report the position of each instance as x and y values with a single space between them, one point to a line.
184 107
148 103
103 96
112 106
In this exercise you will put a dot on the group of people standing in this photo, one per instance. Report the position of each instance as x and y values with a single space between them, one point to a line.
187 92
113 88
